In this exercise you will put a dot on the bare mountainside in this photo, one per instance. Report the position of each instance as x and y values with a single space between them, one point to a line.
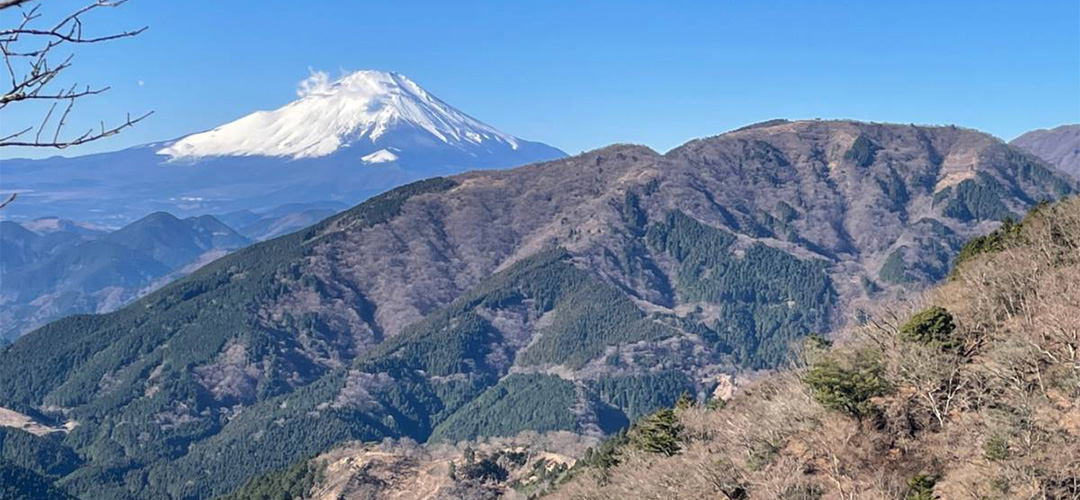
970 392
887 203
573 295
1059 146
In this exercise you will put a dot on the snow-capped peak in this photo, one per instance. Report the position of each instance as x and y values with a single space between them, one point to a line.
357 109
380 156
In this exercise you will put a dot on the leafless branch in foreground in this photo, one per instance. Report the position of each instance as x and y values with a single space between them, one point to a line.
12 3
30 56
9 200
29 53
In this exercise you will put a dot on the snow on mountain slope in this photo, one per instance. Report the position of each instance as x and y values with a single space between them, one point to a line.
360 107
380 156
340 141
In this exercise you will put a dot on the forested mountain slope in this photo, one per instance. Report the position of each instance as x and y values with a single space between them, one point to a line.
974 392
575 295
969 391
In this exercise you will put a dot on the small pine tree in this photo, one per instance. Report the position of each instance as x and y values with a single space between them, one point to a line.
931 326
1009 234
685 401
848 389
996 449
921 487
606 454
659 432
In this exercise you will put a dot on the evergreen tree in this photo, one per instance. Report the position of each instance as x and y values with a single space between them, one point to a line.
931 326
685 401
921 487
848 389
660 433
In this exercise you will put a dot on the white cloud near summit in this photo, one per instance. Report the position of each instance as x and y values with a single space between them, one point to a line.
316 83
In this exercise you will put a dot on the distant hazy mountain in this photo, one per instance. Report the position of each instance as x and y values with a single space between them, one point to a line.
341 141
47 225
1058 146
172 241
573 295
44 276
263 225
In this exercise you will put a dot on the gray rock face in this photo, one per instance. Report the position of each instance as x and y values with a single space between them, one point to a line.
1058 146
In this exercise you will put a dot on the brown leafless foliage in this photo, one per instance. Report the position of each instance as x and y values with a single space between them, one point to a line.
1013 381
36 55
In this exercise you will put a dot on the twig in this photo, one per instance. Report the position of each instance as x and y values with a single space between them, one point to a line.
31 72
4 4
83 139
67 37
9 200
16 134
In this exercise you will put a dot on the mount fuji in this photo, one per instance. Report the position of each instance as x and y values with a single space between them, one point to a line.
342 140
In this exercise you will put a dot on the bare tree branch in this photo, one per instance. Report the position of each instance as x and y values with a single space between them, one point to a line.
9 200
16 134
27 52
12 3
41 128
12 35
88 136
69 94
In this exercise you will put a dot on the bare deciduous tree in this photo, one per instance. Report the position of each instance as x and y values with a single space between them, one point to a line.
35 56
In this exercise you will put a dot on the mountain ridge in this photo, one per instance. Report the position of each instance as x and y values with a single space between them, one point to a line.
615 271
1059 146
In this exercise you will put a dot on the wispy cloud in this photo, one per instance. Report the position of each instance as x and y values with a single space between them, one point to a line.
317 83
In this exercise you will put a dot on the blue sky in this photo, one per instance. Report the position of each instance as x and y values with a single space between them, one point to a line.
580 75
